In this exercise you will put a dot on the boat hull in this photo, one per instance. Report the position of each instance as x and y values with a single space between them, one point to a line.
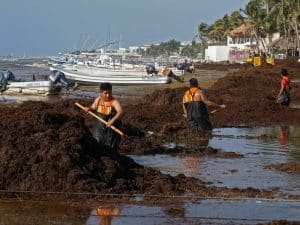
103 71
32 88
114 77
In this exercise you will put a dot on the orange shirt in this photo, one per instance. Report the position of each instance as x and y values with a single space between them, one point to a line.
285 82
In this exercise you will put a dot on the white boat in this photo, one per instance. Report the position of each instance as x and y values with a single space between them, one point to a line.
116 70
32 88
92 75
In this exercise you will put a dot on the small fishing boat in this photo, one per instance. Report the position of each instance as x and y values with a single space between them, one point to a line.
10 85
95 75
32 88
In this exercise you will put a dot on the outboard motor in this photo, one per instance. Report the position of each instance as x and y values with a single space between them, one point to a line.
186 67
151 69
180 66
5 77
58 79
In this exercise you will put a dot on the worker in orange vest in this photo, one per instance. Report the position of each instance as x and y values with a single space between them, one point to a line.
194 106
108 108
283 96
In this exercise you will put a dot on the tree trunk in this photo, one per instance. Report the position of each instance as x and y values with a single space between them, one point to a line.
297 33
287 41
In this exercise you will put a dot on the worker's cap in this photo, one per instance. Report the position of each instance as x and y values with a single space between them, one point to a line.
193 82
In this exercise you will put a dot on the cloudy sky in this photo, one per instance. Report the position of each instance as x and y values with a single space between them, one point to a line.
46 27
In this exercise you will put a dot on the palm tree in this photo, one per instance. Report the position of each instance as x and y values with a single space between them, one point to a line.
281 11
219 29
294 19
269 22
256 17
202 32
235 20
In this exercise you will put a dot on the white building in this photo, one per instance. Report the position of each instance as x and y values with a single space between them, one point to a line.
133 49
217 53
239 39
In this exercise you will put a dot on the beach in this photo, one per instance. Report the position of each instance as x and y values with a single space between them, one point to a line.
243 172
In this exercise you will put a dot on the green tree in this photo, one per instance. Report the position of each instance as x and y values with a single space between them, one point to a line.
294 19
217 31
235 20
256 17
203 29
280 11
164 48
140 51
192 50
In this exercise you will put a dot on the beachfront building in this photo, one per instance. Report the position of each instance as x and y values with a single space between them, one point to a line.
239 44
216 53
242 43
138 49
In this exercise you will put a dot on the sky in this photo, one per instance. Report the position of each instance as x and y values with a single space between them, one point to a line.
47 27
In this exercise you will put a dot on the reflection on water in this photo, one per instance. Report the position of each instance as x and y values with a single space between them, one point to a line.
283 133
103 215
208 211
260 146
192 165
263 140
38 213
244 212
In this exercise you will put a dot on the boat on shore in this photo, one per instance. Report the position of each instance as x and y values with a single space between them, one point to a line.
32 88
94 75
10 85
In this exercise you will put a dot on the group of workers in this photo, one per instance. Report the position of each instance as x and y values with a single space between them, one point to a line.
194 103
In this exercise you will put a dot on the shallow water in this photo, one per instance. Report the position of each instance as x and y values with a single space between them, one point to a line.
248 171
208 211
205 211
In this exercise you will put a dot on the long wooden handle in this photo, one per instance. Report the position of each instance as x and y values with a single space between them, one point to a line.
100 119
212 112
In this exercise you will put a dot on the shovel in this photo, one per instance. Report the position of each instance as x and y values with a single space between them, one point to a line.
100 119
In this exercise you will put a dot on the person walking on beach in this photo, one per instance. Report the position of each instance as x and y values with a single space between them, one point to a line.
283 96
108 108
194 106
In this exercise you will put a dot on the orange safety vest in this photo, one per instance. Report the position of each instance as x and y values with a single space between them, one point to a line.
105 107
189 94
285 82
